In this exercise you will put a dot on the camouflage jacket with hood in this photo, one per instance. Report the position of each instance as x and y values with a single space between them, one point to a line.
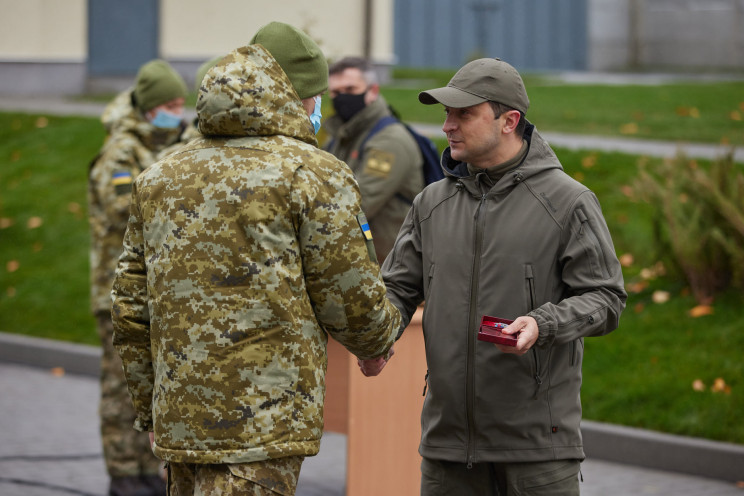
245 249
131 147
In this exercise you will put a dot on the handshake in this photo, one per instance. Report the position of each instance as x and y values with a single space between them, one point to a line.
374 366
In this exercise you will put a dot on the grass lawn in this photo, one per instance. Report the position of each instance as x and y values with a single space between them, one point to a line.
704 112
641 375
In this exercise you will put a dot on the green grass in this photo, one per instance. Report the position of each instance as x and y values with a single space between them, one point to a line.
43 175
640 375
691 112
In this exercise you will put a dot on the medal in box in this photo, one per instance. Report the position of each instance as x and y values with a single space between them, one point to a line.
490 330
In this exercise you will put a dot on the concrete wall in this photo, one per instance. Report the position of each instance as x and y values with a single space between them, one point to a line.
686 35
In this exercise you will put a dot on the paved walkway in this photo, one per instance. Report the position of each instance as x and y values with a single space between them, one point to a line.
66 106
49 446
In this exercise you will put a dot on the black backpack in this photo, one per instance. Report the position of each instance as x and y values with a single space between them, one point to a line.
430 154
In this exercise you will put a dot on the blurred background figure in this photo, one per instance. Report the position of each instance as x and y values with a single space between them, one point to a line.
386 160
140 124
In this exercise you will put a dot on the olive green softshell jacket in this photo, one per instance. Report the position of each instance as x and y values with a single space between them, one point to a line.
244 250
535 243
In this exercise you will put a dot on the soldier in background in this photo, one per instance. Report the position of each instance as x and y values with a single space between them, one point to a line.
387 164
152 123
244 251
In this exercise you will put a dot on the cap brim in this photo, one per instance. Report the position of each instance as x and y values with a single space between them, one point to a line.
449 96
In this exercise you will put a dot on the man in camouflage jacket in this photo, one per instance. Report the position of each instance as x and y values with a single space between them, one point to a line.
245 250
131 147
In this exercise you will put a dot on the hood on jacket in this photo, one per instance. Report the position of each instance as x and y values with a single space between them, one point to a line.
248 94
540 157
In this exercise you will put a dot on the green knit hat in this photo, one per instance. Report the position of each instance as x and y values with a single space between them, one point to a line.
298 55
157 83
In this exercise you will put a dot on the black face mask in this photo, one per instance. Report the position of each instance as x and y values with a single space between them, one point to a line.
347 106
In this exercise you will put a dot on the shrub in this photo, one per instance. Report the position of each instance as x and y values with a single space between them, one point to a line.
699 220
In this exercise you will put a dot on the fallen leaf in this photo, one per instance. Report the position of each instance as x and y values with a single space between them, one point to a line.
740 484
637 287
627 191
683 198
660 296
58 371
694 112
15 156
698 385
701 310
629 128
639 307
719 385
741 106
12 266
37 247
579 176
638 116
5 222
735 115
73 207
34 222
682 111
589 161
622 218
11 291
42 122
626 259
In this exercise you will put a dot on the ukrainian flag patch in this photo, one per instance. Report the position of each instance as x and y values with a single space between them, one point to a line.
121 177
122 181
366 231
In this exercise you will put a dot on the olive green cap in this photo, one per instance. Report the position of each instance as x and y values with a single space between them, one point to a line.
157 83
481 81
298 55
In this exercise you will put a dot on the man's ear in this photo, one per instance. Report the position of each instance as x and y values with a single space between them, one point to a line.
373 91
511 120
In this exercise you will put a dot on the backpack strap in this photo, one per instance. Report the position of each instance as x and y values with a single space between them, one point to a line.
379 126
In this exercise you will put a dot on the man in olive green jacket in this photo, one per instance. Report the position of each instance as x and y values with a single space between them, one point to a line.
134 141
506 234
245 250
388 165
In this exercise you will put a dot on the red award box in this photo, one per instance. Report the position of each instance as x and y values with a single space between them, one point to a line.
490 330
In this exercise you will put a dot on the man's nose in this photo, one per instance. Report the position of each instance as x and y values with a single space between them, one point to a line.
449 124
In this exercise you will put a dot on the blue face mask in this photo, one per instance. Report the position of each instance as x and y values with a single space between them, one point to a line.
315 116
166 120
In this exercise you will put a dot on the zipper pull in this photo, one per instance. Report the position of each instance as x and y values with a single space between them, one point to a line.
538 380
426 382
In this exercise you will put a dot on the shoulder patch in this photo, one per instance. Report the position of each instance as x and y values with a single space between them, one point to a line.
378 163
121 180
364 225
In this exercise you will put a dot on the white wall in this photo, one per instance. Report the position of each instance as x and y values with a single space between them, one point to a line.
190 31
43 30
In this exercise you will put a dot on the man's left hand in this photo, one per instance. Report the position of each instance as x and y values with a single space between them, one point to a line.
528 334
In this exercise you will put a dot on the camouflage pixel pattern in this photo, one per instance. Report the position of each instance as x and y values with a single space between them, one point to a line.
117 109
131 148
243 250
265 478
126 451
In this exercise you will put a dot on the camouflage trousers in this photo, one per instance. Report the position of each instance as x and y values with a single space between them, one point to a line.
125 450
265 478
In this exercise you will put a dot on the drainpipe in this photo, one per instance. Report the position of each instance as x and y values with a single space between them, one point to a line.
367 42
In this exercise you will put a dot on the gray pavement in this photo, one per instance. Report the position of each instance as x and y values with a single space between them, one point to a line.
50 445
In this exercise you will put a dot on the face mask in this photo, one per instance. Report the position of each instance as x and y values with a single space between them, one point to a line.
315 116
166 120
347 106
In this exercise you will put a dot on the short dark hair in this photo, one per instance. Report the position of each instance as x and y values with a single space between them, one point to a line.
500 108
364 66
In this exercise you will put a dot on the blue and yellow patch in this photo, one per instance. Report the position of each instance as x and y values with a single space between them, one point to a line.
366 231
122 181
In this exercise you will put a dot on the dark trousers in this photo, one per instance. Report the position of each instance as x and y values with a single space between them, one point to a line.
554 478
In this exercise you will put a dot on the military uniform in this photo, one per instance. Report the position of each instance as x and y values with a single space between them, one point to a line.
245 250
130 149
388 169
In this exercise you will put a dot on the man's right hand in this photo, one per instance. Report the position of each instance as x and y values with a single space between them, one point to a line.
374 366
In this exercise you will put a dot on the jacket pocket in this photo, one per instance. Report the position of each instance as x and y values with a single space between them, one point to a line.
529 284
591 245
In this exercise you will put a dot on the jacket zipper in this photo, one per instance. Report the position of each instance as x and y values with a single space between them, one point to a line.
530 276
470 385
